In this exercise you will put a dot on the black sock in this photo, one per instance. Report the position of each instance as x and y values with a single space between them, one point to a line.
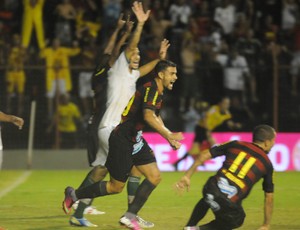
141 196
83 204
132 186
87 180
182 158
198 213
92 191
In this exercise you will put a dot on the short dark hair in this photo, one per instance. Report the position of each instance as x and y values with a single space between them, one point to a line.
263 133
163 65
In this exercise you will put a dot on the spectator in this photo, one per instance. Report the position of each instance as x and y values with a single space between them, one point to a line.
15 75
58 76
159 25
65 22
211 74
87 22
290 14
190 90
236 75
250 48
66 118
179 13
88 56
33 18
225 16
111 11
241 27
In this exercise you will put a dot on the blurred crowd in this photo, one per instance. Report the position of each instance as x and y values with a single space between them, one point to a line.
248 50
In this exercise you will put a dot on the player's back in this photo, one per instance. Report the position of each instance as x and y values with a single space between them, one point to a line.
245 164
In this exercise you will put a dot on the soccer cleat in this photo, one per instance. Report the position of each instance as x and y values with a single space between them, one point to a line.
68 201
92 211
131 224
143 223
81 222
191 228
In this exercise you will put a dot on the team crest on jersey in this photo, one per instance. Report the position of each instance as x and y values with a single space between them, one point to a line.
226 188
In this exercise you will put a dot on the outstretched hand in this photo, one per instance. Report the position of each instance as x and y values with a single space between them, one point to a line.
120 22
17 121
138 10
183 184
174 139
129 24
164 46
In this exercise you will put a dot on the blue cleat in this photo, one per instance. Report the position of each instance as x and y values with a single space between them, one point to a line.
81 222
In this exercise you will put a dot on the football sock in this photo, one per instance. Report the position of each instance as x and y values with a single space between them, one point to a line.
84 203
198 213
87 180
132 186
141 196
92 191
182 158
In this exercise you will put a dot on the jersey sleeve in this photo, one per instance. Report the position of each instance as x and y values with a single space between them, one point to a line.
268 185
150 98
220 150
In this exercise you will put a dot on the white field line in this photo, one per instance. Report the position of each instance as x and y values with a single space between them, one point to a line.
21 179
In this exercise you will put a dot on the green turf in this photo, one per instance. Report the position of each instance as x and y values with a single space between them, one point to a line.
36 204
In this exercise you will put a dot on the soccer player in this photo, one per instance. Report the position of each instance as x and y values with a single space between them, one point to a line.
127 147
17 121
120 81
215 116
94 141
245 164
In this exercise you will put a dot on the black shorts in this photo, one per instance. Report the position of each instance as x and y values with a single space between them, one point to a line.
229 214
200 134
120 159
92 142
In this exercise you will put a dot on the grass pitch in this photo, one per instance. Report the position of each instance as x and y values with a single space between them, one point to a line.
36 203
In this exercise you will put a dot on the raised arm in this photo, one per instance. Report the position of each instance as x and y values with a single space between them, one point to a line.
112 40
147 68
268 209
116 50
142 17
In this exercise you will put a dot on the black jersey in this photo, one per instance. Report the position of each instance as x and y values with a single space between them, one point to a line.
244 165
99 85
146 96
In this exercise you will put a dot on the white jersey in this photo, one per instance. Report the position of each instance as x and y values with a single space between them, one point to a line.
121 87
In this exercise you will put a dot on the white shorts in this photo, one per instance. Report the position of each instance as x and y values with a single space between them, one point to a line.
85 85
103 134
59 85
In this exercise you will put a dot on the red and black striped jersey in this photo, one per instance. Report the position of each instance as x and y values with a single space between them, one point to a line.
245 164
146 96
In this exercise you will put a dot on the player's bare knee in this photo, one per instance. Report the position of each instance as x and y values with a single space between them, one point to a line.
114 188
154 178
98 173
